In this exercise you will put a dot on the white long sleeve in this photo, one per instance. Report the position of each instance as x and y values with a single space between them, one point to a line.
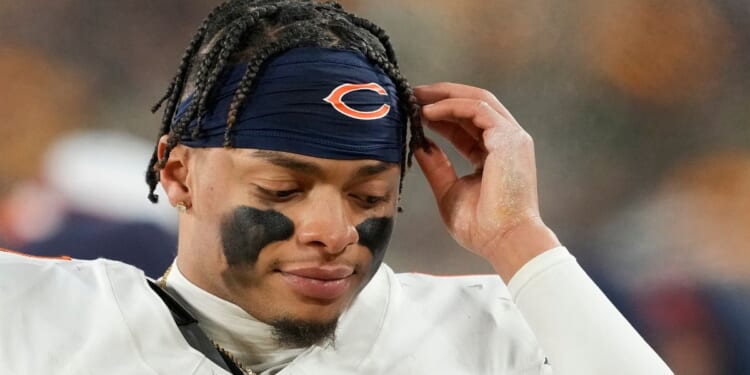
577 326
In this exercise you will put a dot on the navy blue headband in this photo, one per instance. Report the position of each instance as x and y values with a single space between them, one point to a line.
318 102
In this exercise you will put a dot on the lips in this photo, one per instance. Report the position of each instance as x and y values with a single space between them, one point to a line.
324 283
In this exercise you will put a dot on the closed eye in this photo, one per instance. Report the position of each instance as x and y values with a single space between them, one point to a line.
370 201
284 193
278 195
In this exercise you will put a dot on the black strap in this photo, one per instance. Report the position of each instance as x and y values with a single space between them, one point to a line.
192 332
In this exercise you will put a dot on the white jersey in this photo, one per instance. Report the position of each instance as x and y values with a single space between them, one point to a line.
101 317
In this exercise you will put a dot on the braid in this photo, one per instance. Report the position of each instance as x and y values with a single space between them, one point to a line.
409 109
243 89
228 43
378 32
172 96
174 87
203 74
406 94
284 44
254 31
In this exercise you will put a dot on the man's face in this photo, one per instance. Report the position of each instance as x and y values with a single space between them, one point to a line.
282 235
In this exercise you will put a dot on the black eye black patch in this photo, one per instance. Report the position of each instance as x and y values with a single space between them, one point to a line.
246 231
374 234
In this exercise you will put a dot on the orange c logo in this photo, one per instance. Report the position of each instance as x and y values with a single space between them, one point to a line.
335 98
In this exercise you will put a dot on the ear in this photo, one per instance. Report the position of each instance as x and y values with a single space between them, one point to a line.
173 177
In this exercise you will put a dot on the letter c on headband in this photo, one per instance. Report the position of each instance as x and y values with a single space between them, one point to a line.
336 99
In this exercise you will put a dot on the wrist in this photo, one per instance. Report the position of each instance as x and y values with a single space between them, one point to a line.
518 246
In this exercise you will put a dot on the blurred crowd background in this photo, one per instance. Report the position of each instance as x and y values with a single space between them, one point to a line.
639 110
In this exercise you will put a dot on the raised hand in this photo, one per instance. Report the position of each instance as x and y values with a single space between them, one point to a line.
493 212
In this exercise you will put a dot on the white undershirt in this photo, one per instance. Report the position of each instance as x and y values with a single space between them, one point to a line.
249 340
579 329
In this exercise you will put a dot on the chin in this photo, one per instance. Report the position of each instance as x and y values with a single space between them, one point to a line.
297 333
317 311
303 323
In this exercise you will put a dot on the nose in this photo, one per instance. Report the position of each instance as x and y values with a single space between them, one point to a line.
327 226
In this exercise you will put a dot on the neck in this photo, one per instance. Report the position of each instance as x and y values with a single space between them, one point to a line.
249 340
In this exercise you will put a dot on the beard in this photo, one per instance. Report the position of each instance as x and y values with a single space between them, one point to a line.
296 333
246 231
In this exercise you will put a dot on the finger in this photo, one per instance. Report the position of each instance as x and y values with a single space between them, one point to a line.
470 147
470 113
433 93
437 168
460 125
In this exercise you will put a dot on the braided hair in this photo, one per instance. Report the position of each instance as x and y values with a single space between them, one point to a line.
252 32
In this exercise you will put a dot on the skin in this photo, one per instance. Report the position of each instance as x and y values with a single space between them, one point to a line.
333 206
493 213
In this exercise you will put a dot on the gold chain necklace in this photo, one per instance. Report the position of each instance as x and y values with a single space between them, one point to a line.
163 285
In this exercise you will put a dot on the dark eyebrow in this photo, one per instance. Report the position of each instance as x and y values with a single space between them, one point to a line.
289 162
316 170
373 169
